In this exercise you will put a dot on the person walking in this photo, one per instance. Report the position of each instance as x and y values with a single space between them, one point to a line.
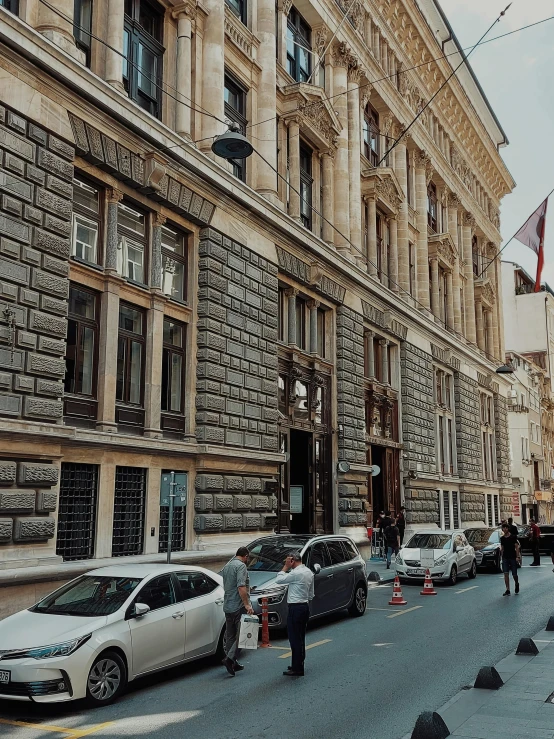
300 592
535 536
401 524
236 601
513 527
509 548
392 541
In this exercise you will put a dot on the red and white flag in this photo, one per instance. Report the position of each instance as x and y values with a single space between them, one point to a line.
532 235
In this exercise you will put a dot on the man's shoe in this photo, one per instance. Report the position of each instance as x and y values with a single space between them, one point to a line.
534 564
230 666
506 593
238 667
517 588
293 673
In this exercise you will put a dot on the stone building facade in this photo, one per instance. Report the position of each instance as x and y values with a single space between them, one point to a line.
271 330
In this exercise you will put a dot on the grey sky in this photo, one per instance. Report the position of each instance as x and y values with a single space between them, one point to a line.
516 75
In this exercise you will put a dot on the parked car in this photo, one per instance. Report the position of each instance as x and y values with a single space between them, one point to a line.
546 540
453 556
340 575
486 543
91 637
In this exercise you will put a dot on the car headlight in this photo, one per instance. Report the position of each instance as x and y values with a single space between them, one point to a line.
488 549
399 560
272 595
441 560
53 650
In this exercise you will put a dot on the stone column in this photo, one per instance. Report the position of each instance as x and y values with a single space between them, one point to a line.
313 305
490 334
57 27
384 360
372 235
294 168
105 509
114 40
291 294
213 72
480 329
393 266
423 168
370 359
453 203
153 368
449 300
403 230
184 14
266 181
328 196
354 141
341 58
107 356
435 292
500 320
469 296
113 197
156 267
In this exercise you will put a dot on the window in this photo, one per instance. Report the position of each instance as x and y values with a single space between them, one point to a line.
77 511
319 556
488 441
173 367
409 178
157 593
321 333
130 352
235 110
306 182
174 264
492 509
81 351
11 5
131 246
301 322
412 267
299 47
380 228
432 206
142 54
350 549
86 222
128 511
282 315
82 26
239 8
446 440
336 552
475 255
195 584
371 135
450 514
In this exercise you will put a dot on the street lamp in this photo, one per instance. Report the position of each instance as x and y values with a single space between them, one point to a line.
232 144
506 369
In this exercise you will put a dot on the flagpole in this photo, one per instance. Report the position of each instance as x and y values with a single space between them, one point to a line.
540 260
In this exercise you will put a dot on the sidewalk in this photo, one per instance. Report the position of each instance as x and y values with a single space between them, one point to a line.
522 707
380 566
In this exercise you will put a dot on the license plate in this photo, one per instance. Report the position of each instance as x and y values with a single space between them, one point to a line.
4 677
418 571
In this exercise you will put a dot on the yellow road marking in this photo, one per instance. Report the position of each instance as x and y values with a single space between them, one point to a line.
310 646
73 733
465 590
286 649
401 613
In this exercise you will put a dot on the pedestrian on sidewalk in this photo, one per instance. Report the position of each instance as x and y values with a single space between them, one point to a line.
401 523
236 601
392 541
300 592
513 527
535 536
509 548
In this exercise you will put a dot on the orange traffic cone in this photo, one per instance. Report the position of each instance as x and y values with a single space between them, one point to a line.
428 588
397 597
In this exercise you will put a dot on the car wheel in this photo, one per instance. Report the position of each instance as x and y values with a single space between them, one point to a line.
472 572
107 679
359 601
453 577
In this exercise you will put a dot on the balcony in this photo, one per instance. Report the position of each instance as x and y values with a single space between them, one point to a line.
546 485
518 408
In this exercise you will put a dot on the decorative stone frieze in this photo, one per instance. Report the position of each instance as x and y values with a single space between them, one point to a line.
310 274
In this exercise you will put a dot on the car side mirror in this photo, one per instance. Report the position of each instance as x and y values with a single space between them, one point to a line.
317 569
141 609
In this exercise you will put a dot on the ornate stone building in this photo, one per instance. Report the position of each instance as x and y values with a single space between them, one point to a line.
269 329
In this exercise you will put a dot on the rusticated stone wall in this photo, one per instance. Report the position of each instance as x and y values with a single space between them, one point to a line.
350 387
36 206
28 494
468 428
233 503
236 401
418 414
422 506
502 440
472 506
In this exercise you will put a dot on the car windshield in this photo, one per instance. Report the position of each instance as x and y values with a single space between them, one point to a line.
88 596
430 541
268 555
482 536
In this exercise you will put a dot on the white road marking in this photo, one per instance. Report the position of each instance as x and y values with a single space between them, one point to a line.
384 644
465 590
310 646
401 613
383 609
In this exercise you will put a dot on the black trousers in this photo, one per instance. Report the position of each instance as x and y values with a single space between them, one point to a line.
297 623
536 551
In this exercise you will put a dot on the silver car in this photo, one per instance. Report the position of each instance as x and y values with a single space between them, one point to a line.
340 580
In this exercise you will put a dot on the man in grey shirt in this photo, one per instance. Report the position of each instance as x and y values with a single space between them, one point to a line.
236 601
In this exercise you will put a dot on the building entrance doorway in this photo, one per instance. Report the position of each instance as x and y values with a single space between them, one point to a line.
385 492
301 482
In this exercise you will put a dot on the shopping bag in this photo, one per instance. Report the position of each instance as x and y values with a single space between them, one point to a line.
248 632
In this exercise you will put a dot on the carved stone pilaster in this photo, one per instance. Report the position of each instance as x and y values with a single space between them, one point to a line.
341 55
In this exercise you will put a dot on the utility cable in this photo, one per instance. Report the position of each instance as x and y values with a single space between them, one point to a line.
326 49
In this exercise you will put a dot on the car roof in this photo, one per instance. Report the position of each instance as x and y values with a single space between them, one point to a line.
146 570
449 532
303 537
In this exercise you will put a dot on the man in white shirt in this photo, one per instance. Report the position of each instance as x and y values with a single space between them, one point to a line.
300 581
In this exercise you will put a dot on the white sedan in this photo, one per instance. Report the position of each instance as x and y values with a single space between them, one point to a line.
450 552
92 636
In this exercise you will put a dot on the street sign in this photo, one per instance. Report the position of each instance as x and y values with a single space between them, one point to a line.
180 490
296 498
427 558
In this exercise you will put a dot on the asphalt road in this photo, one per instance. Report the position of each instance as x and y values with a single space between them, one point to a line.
365 678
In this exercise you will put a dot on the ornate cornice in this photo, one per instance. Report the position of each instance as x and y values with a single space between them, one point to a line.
187 8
